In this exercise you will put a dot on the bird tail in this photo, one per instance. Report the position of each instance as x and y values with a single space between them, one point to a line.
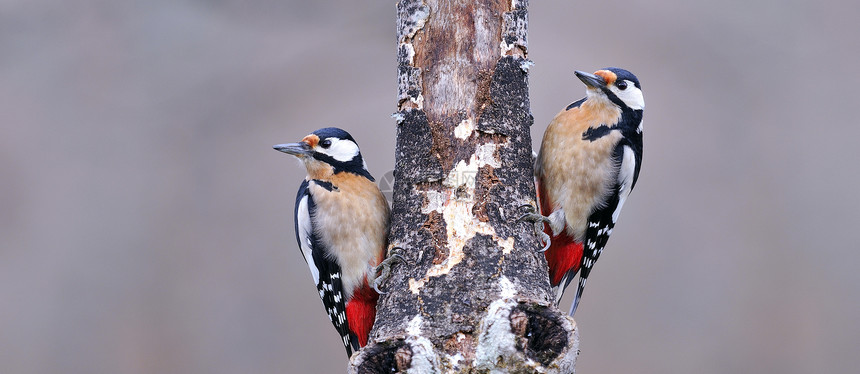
578 295
559 288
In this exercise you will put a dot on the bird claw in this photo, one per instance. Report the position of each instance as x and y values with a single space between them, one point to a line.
384 270
531 207
546 239
538 219
532 214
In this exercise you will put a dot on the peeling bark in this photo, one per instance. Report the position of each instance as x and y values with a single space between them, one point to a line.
474 294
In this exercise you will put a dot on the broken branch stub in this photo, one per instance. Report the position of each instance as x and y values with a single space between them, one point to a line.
473 295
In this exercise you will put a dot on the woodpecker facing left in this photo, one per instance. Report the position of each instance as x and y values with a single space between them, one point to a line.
588 163
341 223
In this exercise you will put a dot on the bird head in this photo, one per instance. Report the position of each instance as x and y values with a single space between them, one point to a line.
616 85
327 151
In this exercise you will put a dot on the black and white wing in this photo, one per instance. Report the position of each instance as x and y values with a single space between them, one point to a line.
602 221
325 272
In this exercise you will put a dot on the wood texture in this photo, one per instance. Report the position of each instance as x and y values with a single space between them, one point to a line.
473 295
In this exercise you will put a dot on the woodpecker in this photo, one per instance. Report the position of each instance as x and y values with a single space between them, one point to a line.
588 163
341 223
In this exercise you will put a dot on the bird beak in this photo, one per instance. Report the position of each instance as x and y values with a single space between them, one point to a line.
590 80
300 149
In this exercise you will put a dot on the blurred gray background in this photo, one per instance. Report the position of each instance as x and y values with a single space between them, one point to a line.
146 223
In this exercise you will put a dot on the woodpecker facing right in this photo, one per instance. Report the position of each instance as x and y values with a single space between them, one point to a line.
588 163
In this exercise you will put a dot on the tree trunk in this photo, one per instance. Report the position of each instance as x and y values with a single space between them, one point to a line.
473 294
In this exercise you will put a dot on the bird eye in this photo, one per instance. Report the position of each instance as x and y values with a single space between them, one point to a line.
325 143
622 85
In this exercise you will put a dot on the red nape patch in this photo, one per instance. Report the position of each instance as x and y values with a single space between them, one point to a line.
361 311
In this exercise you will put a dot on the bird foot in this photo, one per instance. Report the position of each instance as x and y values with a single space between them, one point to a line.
533 216
384 270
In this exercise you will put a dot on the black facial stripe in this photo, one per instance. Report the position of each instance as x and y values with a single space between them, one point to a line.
324 184
594 133
326 158
355 166
627 124
613 98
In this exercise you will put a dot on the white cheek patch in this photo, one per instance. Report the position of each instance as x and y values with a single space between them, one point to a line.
341 149
632 96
